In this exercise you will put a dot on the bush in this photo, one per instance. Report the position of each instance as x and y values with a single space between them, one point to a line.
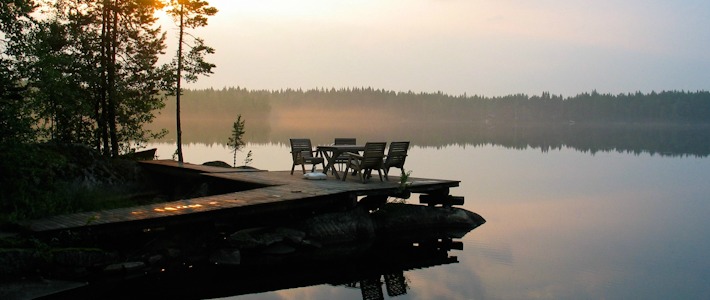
41 180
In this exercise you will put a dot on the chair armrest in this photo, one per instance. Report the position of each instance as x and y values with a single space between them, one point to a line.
302 153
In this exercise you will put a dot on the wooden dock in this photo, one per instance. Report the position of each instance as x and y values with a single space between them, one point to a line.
265 195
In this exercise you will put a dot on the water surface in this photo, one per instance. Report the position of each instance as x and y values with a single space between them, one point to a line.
561 224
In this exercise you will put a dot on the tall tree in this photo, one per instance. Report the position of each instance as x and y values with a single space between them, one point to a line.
189 14
104 53
132 44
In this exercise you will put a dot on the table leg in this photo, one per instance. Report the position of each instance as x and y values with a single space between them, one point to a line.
334 156
330 157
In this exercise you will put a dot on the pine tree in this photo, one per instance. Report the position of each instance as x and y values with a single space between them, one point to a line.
189 14
92 68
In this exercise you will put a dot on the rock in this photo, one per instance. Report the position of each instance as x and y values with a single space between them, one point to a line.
217 163
357 225
262 237
279 248
153 259
125 268
19 262
340 227
231 257
82 257
245 168
395 218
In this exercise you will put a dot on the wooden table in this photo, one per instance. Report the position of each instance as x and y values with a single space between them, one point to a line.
331 152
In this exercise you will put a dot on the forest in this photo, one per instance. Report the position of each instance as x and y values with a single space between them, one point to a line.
665 123
85 74
665 107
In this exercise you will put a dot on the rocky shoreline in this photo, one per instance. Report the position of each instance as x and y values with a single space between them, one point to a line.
320 236
76 258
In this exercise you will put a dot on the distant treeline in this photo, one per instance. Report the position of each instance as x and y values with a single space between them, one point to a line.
679 107
226 101
665 123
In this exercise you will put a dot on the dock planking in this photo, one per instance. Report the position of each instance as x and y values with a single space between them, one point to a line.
274 194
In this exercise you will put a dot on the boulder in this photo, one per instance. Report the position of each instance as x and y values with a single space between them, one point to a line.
217 163
397 218
262 237
339 227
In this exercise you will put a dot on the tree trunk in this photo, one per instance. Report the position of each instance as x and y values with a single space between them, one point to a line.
179 89
112 101
102 118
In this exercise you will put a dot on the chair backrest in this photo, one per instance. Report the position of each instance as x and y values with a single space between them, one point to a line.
397 154
301 148
345 141
373 155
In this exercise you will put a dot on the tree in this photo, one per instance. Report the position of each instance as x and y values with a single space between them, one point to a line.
92 66
54 69
131 44
16 117
235 140
15 120
189 14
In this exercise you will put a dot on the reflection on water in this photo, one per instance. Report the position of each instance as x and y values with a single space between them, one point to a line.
375 269
561 224
322 126
374 272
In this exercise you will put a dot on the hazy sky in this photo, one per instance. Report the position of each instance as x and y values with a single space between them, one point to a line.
486 47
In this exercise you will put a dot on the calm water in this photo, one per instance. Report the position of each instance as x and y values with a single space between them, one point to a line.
561 224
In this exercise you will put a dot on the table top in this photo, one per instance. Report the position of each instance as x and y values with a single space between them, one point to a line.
341 147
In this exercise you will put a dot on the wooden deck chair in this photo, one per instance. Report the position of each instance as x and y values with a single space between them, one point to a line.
396 155
302 154
342 159
371 159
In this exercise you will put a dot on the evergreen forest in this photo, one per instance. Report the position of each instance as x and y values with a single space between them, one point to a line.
666 122
665 107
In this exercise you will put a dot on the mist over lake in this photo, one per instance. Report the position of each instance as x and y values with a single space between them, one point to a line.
611 211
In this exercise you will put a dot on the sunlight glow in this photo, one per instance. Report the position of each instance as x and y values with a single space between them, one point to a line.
176 208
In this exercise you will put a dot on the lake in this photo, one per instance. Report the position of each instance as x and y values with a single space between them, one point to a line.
561 223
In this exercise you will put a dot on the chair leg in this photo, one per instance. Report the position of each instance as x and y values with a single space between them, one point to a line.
303 166
292 168
345 175
379 173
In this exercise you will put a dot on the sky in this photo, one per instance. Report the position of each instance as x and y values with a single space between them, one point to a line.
473 47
